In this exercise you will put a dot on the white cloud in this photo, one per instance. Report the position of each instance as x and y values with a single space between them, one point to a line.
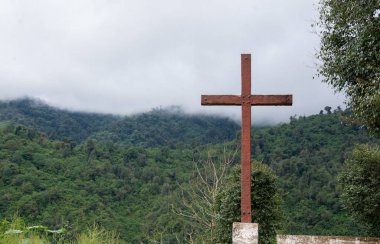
128 56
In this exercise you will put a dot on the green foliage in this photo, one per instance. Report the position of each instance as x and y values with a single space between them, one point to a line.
360 180
350 52
93 183
266 204
16 231
55 123
170 127
16 223
307 155
128 180
97 235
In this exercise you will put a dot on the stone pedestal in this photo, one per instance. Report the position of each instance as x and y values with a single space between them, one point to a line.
245 233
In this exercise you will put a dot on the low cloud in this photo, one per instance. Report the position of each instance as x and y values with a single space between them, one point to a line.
129 56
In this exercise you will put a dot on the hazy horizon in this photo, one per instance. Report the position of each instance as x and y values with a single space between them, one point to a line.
174 108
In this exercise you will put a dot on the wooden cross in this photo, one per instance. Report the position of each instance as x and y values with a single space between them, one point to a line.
246 100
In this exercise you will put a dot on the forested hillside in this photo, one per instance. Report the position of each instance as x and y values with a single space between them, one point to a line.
51 183
307 154
64 169
55 123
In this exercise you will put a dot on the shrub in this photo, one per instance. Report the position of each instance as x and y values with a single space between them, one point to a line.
266 203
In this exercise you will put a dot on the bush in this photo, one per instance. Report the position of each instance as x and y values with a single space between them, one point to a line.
16 231
266 204
98 235
360 181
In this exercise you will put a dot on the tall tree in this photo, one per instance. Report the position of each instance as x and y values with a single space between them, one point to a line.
350 55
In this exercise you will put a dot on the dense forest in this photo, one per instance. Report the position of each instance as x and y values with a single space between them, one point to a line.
126 173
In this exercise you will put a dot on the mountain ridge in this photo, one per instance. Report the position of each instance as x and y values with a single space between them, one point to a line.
78 126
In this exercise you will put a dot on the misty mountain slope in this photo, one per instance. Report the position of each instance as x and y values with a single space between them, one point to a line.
169 127
55 123
158 127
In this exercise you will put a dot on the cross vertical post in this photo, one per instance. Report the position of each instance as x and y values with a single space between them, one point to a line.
246 138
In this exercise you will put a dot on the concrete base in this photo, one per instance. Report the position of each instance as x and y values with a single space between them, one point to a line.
245 233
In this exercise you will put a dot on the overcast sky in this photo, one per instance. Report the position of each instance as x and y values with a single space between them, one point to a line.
124 56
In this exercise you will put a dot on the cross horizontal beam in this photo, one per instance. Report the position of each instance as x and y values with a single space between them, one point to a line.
255 100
